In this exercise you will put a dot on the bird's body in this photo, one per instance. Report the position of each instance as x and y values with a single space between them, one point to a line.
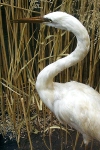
73 103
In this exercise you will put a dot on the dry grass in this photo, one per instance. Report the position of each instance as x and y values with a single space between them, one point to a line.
26 49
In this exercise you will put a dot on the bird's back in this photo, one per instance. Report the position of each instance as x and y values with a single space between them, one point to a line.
78 105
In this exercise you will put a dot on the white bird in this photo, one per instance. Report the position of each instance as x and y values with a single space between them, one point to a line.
73 103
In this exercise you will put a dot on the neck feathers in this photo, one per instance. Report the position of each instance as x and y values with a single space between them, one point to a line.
45 77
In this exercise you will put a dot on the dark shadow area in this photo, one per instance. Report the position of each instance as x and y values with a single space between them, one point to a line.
57 138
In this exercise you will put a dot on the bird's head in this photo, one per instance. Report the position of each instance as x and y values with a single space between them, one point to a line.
56 19
59 20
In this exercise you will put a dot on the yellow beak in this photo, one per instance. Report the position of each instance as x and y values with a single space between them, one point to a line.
31 20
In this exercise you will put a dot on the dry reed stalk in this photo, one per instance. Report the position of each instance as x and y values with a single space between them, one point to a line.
27 124
20 8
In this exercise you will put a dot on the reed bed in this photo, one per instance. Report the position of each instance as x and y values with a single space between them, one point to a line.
27 48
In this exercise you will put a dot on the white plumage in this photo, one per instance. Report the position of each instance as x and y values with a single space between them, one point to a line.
73 103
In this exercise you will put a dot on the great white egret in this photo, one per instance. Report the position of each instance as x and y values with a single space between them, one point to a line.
73 103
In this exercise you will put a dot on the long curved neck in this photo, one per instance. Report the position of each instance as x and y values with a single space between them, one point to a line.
45 77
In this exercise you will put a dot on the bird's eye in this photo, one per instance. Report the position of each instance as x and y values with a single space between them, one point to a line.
48 20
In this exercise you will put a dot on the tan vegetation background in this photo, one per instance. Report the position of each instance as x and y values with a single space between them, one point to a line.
27 48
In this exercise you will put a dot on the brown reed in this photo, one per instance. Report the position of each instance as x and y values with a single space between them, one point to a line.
26 49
